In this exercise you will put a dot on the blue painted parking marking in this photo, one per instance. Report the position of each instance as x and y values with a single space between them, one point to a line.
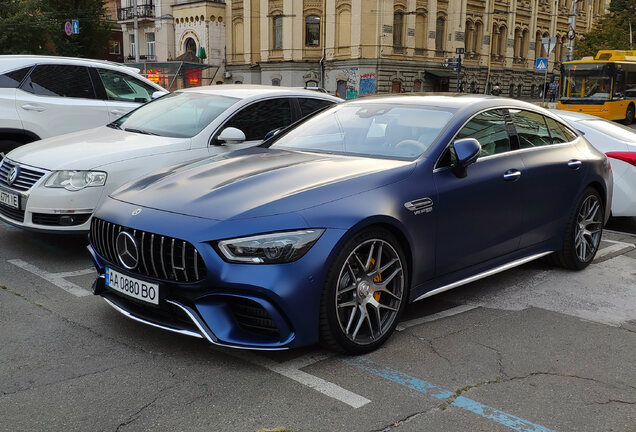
505 419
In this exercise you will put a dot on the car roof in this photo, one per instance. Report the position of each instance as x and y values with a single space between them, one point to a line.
456 101
574 115
245 91
11 62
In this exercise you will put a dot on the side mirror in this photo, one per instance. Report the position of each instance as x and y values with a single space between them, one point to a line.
230 135
158 94
467 151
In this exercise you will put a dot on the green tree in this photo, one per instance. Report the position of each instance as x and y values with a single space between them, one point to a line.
23 27
95 28
611 31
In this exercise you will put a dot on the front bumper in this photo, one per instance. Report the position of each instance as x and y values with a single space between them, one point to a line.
266 307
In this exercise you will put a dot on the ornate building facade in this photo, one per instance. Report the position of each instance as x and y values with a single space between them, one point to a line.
359 47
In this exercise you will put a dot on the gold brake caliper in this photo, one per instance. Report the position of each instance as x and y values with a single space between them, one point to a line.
377 279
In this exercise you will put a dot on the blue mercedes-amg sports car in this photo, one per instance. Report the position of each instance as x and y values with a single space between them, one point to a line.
327 230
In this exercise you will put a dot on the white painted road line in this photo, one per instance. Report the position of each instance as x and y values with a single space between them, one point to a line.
615 247
56 279
443 314
290 369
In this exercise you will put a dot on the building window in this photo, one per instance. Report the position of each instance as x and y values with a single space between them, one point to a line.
417 85
278 32
440 25
276 82
150 45
133 50
398 28
114 47
312 31
420 32
190 46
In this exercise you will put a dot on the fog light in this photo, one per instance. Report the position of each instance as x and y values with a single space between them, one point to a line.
66 220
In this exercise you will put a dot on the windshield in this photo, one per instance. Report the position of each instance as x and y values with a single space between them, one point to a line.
375 130
586 81
179 115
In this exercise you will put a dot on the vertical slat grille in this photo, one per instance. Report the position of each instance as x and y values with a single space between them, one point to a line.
159 256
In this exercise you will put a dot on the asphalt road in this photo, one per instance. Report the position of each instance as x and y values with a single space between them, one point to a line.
531 349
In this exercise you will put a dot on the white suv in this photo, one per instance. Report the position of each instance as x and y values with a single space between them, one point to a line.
43 96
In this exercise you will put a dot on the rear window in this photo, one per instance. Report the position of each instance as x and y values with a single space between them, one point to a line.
14 78
61 81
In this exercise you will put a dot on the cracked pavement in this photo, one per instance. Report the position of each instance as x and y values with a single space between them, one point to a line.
554 348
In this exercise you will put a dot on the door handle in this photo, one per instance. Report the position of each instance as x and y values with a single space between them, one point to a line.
512 175
575 164
118 112
31 107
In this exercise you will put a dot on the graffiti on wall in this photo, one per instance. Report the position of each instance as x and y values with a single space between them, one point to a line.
367 84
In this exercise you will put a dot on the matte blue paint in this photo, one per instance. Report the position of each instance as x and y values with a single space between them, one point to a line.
505 419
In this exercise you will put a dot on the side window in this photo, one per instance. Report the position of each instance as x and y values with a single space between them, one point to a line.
489 128
261 117
125 88
308 106
531 128
60 80
559 132
13 79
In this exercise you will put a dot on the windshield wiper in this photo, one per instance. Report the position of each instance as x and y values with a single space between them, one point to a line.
141 131
113 125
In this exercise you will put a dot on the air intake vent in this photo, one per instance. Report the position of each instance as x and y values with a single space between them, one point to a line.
160 256
252 317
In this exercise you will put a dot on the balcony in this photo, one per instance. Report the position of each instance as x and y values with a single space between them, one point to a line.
146 10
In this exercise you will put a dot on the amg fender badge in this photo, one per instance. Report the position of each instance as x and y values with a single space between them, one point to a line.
419 206
136 212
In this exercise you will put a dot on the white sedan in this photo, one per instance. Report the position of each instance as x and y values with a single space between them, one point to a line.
53 185
618 142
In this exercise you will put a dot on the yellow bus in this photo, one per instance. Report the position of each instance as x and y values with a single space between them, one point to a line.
604 86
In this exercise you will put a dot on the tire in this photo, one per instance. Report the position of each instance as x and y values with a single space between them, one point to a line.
6 146
366 291
629 115
582 233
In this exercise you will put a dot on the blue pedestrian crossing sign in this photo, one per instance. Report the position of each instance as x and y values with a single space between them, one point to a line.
75 26
541 64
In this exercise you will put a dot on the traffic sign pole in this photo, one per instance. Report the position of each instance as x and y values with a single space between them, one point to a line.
545 76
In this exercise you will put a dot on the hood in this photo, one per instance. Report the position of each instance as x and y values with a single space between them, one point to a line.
92 148
260 182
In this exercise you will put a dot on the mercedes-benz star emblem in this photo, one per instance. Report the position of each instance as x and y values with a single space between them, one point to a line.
13 174
127 250
136 212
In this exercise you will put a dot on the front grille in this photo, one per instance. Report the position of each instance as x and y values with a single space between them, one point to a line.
160 256
25 179
252 317
60 220
11 213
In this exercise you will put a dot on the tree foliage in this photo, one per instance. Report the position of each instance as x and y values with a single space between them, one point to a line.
611 31
37 27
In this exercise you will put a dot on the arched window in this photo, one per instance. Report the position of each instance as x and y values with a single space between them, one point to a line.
190 46
398 28
511 90
237 40
417 85
440 31
517 42
519 90
478 35
312 30
343 24
495 39
503 40
278 32
276 81
396 86
470 35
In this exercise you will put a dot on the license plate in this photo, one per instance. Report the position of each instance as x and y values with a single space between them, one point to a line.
141 290
10 199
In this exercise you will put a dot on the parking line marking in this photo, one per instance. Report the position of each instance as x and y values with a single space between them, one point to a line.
615 247
511 421
443 314
290 369
76 273
56 279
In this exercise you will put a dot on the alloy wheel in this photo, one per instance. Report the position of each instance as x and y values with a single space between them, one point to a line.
588 228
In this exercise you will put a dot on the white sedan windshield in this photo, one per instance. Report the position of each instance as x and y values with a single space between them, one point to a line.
180 115
376 130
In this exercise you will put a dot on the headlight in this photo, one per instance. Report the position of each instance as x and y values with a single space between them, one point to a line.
275 248
76 180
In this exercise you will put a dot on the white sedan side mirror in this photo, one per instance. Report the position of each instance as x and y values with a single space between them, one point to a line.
231 135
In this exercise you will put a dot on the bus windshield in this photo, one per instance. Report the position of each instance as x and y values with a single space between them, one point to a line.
586 82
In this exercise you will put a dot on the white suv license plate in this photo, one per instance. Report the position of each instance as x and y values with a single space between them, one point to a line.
141 290
10 199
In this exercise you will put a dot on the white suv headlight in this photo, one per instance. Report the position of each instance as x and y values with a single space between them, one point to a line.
76 180
274 248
